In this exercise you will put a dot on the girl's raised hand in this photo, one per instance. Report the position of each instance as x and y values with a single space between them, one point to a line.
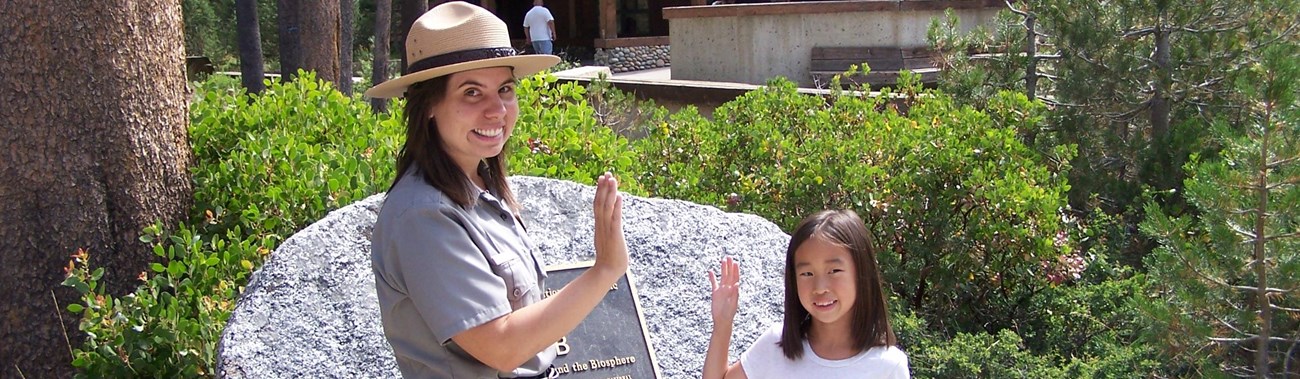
611 248
726 292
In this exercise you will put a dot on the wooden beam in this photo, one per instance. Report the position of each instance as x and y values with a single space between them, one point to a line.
815 7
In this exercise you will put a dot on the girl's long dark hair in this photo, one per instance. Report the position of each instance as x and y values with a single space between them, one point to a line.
424 151
870 313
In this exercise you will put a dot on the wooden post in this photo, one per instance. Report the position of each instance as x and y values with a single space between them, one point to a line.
573 20
608 19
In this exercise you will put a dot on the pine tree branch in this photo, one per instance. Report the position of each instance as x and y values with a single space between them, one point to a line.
1284 183
1281 308
1230 326
1084 57
1252 338
1283 235
1225 284
999 56
1130 113
1252 289
1233 340
1205 84
1132 34
1016 11
1220 28
1051 101
1240 230
1279 163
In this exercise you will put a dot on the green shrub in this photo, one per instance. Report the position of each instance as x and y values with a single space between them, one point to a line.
274 163
558 136
969 216
171 325
980 355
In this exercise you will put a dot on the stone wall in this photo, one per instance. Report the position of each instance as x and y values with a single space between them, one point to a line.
633 58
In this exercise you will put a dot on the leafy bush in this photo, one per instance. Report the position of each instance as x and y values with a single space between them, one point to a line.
558 136
170 326
968 215
981 355
275 162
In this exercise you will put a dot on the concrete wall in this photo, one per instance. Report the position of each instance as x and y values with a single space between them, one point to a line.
751 43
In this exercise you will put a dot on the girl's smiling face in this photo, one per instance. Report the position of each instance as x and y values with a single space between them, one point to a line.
825 276
477 115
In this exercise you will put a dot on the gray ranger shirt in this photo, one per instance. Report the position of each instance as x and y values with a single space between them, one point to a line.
441 269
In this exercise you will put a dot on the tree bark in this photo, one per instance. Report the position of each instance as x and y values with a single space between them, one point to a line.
1260 247
320 39
290 38
1160 97
346 16
1031 52
1031 68
251 67
411 10
95 148
379 69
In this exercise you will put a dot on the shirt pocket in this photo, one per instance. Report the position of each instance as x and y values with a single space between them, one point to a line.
511 268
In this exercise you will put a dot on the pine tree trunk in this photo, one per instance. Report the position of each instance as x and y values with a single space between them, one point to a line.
379 71
1259 246
290 38
346 15
320 38
93 125
1160 98
250 45
411 10
1031 69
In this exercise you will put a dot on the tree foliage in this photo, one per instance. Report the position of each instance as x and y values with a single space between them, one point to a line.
1229 270
1133 84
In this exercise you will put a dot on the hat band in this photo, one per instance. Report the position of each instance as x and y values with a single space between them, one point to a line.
458 57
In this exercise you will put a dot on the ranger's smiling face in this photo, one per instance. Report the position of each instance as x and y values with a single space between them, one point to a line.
477 115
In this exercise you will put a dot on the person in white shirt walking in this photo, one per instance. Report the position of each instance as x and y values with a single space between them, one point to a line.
539 25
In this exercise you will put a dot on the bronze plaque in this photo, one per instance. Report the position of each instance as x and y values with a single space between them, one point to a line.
611 343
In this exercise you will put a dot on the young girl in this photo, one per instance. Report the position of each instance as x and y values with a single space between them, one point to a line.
835 324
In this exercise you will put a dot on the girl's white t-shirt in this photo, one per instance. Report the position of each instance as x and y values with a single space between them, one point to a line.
764 359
